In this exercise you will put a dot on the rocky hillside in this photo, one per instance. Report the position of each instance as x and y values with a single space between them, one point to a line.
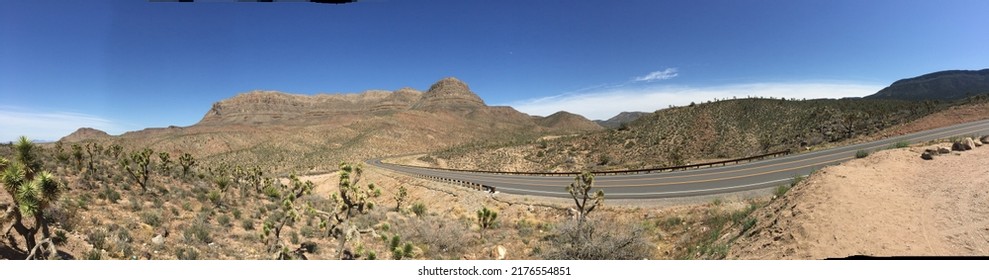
944 85
567 121
683 135
85 133
621 118
300 132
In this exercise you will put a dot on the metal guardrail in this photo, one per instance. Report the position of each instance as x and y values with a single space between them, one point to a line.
615 172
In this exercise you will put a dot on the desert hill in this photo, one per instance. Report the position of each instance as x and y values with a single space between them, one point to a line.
85 133
301 132
564 120
621 118
676 136
943 85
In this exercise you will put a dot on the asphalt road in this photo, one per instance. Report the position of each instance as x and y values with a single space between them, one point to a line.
705 181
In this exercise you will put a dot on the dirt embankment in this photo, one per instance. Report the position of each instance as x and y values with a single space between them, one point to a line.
891 203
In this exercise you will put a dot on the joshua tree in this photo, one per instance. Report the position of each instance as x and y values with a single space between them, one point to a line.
486 218
351 200
91 151
400 197
33 191
77 155
355 198
186 161
141 165
115 151
287 214
580 190
166 160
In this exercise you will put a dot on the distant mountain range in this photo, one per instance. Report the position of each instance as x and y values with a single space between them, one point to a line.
309 132
943 85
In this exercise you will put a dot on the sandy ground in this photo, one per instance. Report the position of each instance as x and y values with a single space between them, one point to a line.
891 203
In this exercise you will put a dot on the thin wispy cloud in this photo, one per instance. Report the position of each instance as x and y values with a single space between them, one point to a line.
15 122
668 73
602 105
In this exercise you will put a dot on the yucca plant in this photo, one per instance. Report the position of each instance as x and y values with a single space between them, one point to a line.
33 191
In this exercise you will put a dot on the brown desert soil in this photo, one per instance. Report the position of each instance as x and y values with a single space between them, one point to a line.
891 203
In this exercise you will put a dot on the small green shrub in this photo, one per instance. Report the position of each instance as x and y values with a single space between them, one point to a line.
94 255
98 238
223 220
781 190
186 254
247 224
419 209
152 218
198 231
861 154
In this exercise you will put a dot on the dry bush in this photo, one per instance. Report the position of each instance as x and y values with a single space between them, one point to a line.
597 240
439 237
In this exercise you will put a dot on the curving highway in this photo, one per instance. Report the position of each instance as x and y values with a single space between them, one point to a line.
705 181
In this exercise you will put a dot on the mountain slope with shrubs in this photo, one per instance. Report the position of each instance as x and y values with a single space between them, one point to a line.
700 132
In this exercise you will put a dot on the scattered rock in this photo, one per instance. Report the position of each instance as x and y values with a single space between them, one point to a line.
984 139
970 143
978 143
927 156
943 150
158 240
499 252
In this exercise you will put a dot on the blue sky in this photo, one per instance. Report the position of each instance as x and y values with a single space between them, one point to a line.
127 65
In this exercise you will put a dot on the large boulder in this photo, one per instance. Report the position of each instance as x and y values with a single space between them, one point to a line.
963 145
984 139
970 143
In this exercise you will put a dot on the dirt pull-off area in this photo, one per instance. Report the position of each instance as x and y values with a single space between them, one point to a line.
891 203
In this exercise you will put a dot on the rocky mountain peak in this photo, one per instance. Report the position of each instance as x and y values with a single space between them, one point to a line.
449 93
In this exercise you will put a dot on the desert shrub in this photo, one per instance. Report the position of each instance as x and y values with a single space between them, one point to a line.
237 214
198 231
671 222
94 255
247 224
98 238
781 190
135 204
597 240
861 154
437 237
524 227
152 218
185 253
419 209
60 237
109 194
223 220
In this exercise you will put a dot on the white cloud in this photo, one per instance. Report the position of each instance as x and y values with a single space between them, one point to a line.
667 74
15 122
605 104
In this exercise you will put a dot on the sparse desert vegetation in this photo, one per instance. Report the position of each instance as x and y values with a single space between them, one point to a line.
709 131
